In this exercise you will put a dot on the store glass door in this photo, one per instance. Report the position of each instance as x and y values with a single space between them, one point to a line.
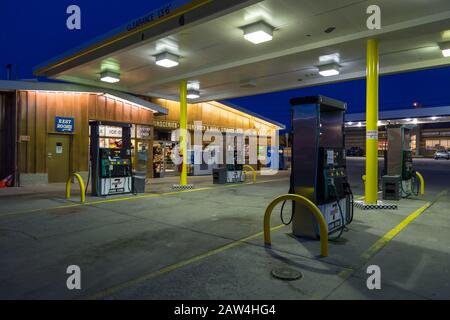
163 164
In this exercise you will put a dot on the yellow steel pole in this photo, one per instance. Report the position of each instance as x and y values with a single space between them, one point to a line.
183 131
371 185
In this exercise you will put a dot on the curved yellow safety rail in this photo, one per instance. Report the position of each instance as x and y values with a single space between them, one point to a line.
323 228
252 170
422 183
81 183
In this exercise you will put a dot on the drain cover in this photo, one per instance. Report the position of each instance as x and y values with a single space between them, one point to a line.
286 274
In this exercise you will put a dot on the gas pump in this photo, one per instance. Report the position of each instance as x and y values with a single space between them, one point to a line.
235 171
399 179
319 165
111 168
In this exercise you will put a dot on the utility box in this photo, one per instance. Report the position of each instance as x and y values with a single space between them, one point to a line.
220 175
391 186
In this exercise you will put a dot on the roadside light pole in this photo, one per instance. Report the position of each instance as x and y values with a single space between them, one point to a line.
371 189
183 131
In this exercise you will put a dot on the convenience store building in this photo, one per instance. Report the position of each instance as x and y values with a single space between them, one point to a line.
44 128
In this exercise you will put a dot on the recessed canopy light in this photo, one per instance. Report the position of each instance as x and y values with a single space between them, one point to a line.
349 123
167 60
445 48
359 124
110 76
328 70
434 118
258 32
408 119
415 121
193 94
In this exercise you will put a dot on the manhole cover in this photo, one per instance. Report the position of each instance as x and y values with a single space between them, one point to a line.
286 274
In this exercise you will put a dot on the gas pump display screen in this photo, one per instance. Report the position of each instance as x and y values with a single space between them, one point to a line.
330 157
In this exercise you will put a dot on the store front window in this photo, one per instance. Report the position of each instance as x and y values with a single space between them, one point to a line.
437 144
111 137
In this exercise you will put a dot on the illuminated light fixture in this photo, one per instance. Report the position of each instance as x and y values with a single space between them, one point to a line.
167 60
434 118
110 76
193 94
349 123
408 119
193 85
445 48
330 58
328 70
379 123
415 121
258 32
359 124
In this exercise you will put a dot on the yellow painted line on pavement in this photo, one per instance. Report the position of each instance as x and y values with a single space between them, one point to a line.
152 195
345 273
377 246
178 265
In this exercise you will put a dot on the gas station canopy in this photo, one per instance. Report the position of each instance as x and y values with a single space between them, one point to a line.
403 116
312 42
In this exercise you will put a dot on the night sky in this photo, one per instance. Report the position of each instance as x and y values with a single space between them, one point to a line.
32 32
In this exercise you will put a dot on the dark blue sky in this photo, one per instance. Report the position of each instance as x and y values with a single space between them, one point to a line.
31 32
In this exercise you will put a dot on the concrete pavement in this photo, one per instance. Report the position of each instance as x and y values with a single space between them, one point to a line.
207 244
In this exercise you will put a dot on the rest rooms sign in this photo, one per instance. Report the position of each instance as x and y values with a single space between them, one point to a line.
64 124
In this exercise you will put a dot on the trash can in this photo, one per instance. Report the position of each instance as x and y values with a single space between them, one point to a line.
139 182
220 175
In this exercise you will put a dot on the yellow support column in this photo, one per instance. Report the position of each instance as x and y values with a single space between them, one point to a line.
371 185
183 131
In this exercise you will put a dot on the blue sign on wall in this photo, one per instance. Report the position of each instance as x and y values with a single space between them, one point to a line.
64 124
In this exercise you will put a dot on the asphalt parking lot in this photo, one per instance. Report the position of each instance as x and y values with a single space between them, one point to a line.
207 244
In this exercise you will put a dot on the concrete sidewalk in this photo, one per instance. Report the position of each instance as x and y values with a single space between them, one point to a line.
47 196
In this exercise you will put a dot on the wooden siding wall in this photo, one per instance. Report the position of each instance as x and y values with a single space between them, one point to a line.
2 134
37 112
210 114
7 133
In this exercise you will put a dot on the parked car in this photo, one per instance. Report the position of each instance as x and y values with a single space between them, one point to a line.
355 152
442 154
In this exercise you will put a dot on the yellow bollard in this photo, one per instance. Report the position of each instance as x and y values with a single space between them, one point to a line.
82 187
252 170
422 183
323 228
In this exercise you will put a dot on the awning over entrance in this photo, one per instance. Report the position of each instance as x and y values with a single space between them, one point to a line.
6 85
206 39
